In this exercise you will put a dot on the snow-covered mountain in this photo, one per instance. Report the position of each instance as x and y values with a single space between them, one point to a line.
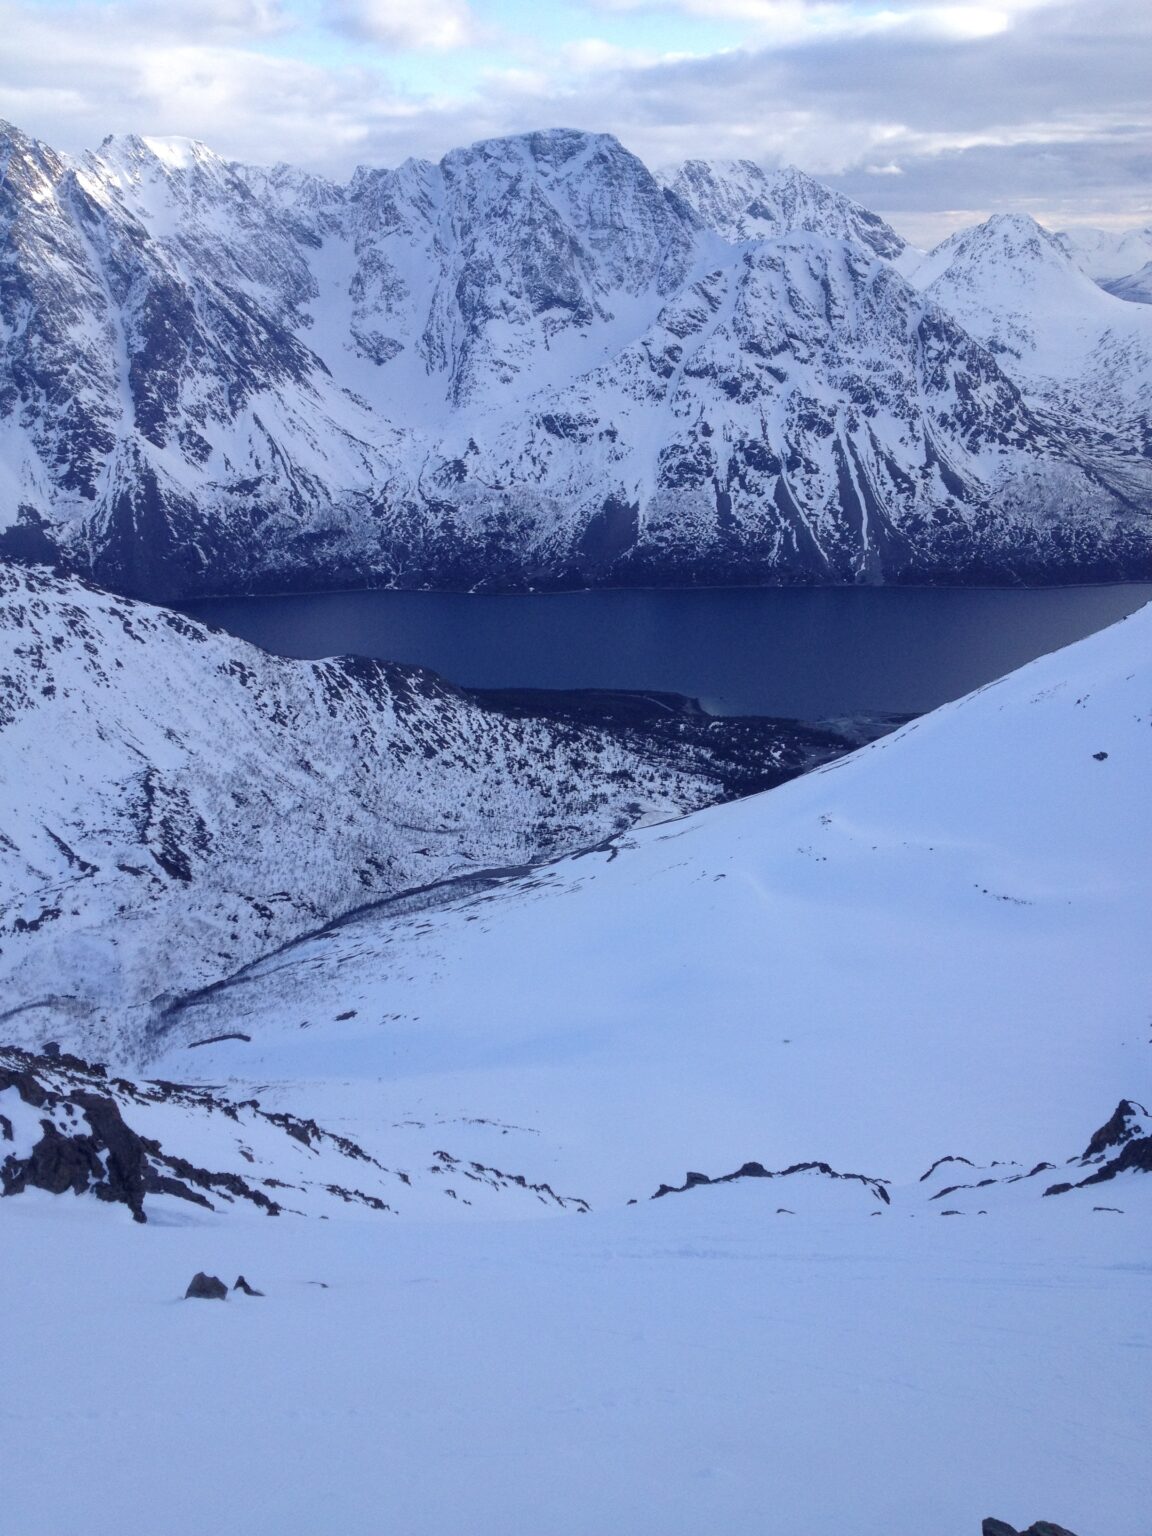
178 803
1107 255
1136 288
1078 354
529 364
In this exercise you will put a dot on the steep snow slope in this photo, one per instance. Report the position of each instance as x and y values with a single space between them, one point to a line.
177 803
937 946
919 963
529 364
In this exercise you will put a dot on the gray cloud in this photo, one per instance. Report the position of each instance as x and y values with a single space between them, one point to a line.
1052 114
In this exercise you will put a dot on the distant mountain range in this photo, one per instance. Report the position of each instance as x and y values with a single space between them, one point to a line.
536 364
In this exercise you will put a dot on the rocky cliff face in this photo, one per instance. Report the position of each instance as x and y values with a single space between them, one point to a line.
533 364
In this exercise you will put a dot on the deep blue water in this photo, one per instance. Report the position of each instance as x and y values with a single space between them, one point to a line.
803 652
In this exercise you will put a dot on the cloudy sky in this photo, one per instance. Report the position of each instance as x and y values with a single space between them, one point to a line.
933 112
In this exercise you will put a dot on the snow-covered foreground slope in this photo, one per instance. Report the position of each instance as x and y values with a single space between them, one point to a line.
937 946
528 365
178 803
678 1369
927 965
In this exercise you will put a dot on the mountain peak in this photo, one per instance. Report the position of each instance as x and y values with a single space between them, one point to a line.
135 155
1004 236
742 200
551 154
547 145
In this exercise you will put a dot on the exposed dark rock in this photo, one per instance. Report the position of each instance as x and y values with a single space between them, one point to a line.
1126 1136
743 754
992 1527
758 1171
206 1288
1115 1131
95 1150
940 1161
242 1285
87 1146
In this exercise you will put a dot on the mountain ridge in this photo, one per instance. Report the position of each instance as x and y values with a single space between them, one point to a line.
532 364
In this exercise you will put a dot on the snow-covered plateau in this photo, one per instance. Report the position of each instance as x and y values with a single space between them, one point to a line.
535 364
877 1042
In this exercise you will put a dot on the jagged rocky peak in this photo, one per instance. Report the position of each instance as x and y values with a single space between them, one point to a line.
142 153
311 206
742 200
204 213
289 184
397 201
1014 240
1012 285
177 176
28 168
604 220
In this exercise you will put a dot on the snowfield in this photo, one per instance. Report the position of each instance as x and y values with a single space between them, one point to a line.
783 1167
680 1369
